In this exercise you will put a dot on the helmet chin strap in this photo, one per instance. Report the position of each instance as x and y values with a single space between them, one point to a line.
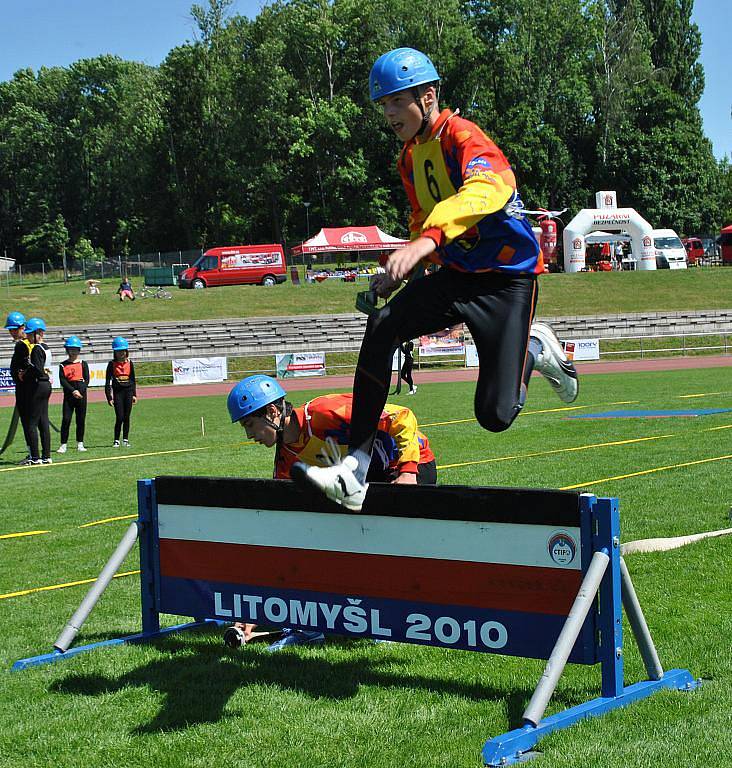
279 428
425 115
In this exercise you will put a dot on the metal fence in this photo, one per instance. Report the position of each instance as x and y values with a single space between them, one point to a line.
52 271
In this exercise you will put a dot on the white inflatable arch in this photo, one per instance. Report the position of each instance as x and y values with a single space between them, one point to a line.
614 219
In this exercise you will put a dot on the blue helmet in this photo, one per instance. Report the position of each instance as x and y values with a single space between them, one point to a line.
73 341
251 394
398 70
34 324
14 320
119 343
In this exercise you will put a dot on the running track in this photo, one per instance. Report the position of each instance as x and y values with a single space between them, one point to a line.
425 377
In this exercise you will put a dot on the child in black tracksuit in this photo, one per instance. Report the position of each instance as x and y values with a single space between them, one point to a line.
121 389
38 380
74 375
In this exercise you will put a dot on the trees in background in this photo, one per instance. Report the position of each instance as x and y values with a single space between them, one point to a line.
234 132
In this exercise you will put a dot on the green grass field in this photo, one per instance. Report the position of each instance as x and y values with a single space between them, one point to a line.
189 701
589 293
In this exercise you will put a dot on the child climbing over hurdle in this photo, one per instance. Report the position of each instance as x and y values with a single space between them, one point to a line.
317 433
467 218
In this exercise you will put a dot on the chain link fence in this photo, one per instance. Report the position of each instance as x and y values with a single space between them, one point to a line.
52 271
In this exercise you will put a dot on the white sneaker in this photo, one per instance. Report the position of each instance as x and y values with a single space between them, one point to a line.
412 391
338 482
80 447
61 448
49 460
125 443
553 364
115 444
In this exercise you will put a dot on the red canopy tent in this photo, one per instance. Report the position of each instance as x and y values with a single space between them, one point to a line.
349 239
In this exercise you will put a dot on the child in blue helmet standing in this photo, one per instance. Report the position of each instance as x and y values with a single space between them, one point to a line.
38 379
74 376
19 363
466 217
121 389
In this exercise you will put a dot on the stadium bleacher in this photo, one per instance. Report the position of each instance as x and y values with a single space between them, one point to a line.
240 337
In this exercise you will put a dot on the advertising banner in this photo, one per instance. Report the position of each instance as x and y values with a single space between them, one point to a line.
582 349
471 356
451 341
97 374
199 370
7 385
294 365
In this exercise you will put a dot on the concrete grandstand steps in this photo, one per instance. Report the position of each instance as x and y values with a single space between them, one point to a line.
331 333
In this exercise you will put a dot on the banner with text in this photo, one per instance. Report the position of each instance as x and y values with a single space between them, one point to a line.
471 356
97 375
582 349
7 385
451 341
199 370
294 365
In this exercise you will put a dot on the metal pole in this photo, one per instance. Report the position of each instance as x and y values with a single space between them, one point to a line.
71 630
638 624
567 638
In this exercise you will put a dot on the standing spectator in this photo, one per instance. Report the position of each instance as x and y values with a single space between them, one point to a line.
19 363
407 366
74 375
618 256
38 376
125 290
120 388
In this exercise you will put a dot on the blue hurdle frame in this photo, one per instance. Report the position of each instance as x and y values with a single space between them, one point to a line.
600 523
514 746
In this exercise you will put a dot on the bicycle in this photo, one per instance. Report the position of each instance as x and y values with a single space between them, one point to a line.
154 292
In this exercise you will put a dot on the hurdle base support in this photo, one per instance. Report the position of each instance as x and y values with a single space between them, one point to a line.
514 746
140 637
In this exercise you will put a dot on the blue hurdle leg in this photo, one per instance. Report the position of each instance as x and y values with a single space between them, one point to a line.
141 637
509 748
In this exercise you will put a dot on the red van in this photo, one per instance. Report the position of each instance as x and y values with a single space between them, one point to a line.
725 244
237 265
694 249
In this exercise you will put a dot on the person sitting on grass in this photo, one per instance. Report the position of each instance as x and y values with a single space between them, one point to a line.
125 290
317 433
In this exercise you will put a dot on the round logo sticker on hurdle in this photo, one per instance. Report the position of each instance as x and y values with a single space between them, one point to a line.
529 573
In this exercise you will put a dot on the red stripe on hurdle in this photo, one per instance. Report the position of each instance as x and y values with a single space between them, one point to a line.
445 582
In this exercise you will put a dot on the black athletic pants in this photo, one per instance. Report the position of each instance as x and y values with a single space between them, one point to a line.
38 419
497 308
426 474
73 405
22 403
122 411
406 372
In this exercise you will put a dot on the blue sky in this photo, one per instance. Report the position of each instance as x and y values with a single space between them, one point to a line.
39 33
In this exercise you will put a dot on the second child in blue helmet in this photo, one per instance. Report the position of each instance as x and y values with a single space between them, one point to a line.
121 389
74 376
19 363
38 379
467 218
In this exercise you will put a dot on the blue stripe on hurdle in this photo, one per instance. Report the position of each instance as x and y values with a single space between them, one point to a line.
511 747
141 637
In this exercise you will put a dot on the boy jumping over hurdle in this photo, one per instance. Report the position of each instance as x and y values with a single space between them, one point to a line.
466 217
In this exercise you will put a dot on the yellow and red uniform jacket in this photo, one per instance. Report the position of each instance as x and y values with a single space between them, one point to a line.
463 196
399 446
